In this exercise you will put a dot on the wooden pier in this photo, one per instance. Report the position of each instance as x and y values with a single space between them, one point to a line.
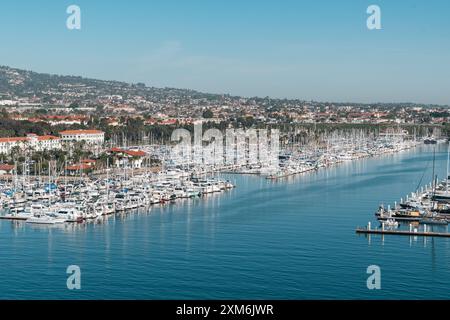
403 233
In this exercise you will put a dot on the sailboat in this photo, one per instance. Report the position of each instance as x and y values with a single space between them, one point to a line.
442 195
435 217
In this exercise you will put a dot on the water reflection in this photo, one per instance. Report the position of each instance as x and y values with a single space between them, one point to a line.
293 238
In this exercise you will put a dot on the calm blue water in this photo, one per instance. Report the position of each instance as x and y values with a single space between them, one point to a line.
290 239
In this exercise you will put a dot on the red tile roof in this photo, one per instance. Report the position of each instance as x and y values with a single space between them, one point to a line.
76 167
60 117
133 153
168 121
75 132
24 139
88 161
6 167
14 139
42 138
137 153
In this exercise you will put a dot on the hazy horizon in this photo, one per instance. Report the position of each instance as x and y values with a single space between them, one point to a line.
233 95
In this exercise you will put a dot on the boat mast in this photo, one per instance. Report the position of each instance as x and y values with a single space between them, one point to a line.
434 182
107 179
448 161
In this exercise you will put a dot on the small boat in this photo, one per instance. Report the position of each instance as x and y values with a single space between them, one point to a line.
435 221
228 185
430 141
69 215
391 223
44 219
399 214
17 216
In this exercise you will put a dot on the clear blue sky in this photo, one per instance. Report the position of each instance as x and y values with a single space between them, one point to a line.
319 50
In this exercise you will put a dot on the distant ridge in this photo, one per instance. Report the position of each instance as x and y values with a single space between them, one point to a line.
18 83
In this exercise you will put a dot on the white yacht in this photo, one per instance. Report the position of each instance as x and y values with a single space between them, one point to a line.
44 219
69 214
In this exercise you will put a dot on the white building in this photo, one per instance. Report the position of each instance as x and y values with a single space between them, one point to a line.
8 102
92 137
128 158
31 142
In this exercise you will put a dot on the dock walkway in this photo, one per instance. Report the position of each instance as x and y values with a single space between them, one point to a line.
403 233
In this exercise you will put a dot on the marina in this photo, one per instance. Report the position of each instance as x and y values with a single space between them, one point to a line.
427 205
51 203
225 158
60 198
334 149
258 234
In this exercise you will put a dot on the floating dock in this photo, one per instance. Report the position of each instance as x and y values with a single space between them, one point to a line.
7 217
403 233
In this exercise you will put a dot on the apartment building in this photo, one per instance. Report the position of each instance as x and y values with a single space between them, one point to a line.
91 137
31 142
